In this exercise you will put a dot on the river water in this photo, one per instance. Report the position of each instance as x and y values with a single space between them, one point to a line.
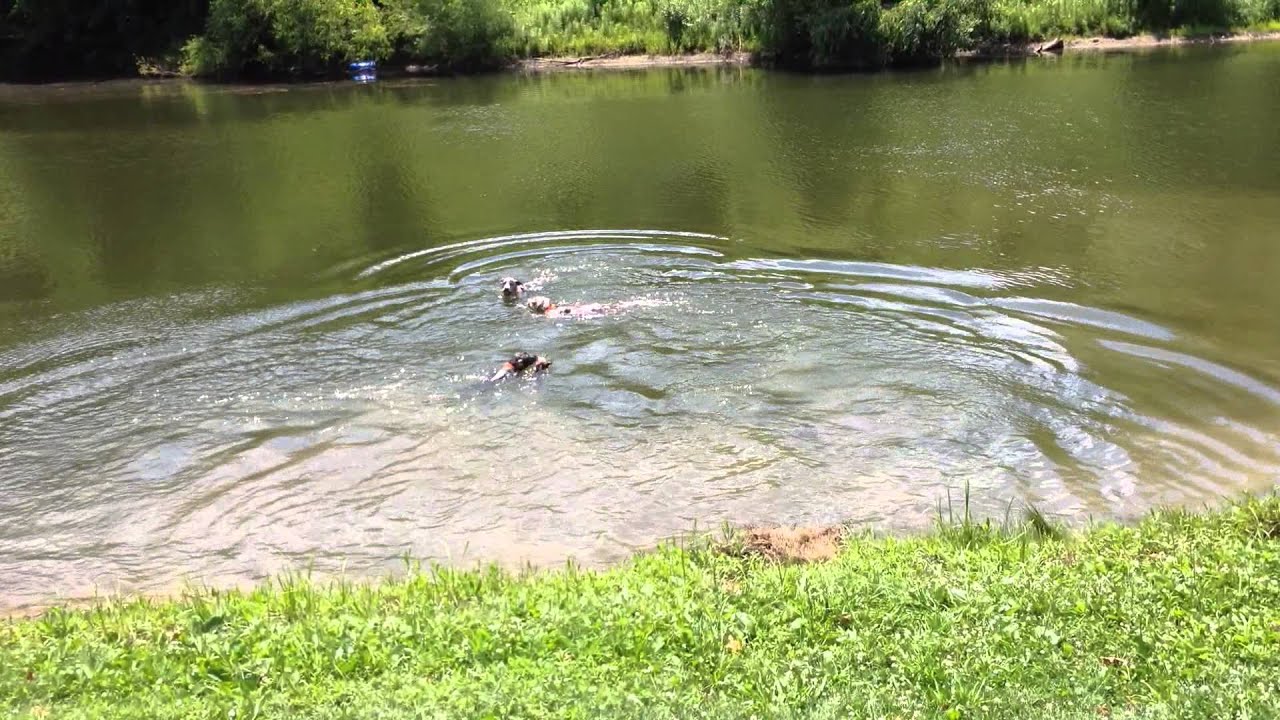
242 330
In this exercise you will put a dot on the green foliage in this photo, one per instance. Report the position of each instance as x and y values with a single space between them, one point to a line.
406 25
823 33
286 36
1019 20
466 34
843 33
1176 617
1220 14
583 27
923 31
861 34
1259 13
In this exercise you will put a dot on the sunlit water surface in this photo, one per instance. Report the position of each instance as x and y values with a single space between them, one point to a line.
244 330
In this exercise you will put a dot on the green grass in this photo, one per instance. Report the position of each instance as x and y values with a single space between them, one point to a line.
1200 31
1176 617
1039 19
581 27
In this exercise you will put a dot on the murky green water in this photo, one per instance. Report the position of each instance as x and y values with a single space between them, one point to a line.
243 330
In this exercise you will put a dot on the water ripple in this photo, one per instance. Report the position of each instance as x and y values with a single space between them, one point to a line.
225 438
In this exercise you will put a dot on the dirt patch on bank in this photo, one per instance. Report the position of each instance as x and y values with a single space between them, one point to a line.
791 545
1108 44
1138 42
626 62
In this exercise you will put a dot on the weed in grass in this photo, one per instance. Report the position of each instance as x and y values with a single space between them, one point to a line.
1040 526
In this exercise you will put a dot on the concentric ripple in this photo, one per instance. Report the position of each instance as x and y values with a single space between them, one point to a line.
193 436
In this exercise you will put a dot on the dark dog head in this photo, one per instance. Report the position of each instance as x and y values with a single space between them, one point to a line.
522 361
512 288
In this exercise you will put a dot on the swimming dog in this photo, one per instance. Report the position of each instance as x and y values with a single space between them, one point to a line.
518 363
512 289
542 305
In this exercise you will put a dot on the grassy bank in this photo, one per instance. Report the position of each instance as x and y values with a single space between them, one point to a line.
306 38
1177 617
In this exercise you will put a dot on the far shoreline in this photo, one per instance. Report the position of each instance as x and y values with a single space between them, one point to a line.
1133 43
614 61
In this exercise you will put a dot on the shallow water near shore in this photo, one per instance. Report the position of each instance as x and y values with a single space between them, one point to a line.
242 330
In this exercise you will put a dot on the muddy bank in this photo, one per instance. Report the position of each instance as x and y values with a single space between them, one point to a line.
629 62
780 544
1139 42
1109 44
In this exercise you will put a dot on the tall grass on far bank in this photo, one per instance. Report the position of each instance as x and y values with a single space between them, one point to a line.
1176 617
1019 20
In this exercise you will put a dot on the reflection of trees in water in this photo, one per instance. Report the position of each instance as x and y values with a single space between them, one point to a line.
394 203
1187 138
197 184
648 163
818 130
23 278
177 190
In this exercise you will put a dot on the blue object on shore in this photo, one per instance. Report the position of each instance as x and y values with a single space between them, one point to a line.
363 71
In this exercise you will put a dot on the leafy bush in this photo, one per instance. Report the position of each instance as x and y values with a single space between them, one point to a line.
1219 14
709 25
465 34
294 36
927 31
1023 20
677 20
1259 12
859 34
844 34
406 26
823 33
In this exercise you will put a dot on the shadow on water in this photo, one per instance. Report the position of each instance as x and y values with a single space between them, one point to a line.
241 332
